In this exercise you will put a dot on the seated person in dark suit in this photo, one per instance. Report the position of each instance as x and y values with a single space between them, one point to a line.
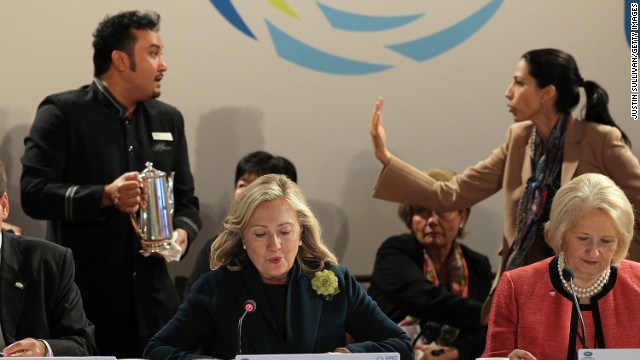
248 169
428 278
271 252
41 309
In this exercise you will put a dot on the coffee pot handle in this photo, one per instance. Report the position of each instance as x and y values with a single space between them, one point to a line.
136 228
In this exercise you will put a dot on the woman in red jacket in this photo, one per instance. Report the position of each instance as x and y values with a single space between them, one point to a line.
590 228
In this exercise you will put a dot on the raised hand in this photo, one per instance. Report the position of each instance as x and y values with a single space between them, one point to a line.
378 135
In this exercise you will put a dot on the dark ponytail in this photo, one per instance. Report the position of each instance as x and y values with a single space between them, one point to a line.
597 108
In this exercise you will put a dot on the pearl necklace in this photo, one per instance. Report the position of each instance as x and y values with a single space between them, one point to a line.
584 293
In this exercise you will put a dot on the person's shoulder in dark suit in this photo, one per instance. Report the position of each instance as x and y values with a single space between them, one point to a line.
47 291
200 267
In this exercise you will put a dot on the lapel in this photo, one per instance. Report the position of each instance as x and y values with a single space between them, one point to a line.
12 286
571 151
309 309
526 160
303 310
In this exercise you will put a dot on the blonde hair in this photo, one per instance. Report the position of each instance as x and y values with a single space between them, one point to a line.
227 251
590 192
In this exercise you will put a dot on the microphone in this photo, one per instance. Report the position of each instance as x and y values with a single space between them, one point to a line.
567 275
249 307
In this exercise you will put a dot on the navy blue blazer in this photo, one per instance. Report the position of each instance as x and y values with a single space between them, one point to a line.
313 325
39 297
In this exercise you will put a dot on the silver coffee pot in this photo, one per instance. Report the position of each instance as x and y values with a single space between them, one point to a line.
154 226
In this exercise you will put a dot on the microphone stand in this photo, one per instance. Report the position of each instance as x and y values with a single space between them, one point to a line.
575 301
567 274
249 307
240 333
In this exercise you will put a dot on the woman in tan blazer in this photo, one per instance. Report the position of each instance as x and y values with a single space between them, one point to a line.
545 148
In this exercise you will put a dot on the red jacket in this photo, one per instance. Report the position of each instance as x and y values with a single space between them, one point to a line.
532 311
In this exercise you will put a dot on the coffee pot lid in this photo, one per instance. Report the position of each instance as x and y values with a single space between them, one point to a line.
151 172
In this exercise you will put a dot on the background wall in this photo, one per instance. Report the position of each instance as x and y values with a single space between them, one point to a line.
238 95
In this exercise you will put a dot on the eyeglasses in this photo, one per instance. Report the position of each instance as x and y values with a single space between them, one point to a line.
427 213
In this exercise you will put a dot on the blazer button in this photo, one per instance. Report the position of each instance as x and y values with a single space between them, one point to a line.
130 148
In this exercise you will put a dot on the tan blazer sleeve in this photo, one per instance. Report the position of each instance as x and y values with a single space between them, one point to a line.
401 182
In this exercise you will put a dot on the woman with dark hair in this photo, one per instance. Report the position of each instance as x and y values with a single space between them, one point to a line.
558 68
544 149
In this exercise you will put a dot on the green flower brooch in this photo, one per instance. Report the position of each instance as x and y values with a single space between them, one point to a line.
325 283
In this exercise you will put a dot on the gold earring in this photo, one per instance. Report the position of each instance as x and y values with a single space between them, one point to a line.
461 230
244 246
300 243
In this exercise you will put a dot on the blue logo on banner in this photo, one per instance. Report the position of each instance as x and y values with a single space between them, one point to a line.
306 55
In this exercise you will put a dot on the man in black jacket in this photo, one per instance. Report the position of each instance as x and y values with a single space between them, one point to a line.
41 312
81 168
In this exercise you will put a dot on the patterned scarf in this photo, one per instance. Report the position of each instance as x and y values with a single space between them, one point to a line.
455 276
545 167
